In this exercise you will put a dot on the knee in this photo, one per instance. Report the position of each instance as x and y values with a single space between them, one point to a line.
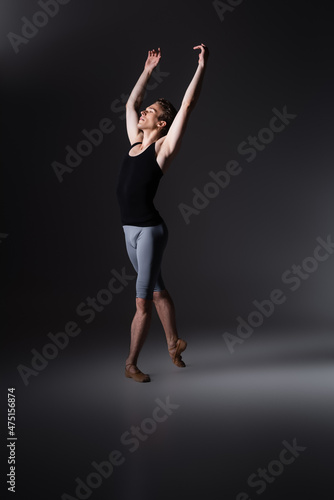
144 306
159 296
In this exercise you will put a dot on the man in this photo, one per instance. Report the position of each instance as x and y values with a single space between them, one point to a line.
155 136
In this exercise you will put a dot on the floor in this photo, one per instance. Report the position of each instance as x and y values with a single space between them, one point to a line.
217 428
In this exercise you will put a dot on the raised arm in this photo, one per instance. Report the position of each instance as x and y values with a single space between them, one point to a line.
174 135
137 95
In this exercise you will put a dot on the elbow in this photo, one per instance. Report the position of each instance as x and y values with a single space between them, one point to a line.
132 104
188 105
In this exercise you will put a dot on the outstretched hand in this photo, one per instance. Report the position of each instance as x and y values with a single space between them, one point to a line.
153 59
203 55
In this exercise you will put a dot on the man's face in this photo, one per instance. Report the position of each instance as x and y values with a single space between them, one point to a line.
149 117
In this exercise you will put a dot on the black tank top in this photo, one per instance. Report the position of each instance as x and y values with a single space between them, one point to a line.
138 182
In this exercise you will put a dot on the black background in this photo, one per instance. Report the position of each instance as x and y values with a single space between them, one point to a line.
60 240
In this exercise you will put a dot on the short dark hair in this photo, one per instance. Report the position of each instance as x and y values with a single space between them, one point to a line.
167 115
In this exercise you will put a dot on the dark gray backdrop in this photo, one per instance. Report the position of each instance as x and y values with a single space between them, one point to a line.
62 239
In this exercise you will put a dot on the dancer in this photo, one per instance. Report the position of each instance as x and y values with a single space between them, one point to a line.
155 136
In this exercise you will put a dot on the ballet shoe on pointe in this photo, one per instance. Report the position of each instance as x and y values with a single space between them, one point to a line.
138 376
176 356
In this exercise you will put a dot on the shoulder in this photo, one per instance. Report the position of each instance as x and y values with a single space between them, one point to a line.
159 144
138 138
162 158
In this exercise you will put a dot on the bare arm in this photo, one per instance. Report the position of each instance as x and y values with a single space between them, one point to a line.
136 97
192 93
174 136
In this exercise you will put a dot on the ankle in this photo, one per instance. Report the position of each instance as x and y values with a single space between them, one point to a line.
172 343
129 362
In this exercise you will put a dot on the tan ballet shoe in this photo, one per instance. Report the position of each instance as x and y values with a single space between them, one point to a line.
176 357
138 376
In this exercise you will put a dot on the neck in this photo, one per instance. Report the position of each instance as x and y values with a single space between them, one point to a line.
149 136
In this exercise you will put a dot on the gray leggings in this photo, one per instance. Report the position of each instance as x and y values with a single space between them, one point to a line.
145 247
